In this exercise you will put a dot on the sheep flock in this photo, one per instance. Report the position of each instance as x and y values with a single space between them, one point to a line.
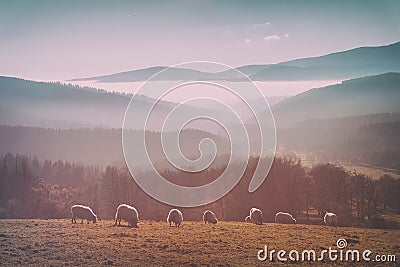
130 215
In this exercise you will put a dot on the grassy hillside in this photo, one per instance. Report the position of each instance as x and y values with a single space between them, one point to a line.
60 243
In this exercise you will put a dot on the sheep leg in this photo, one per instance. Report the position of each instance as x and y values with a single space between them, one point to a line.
82 221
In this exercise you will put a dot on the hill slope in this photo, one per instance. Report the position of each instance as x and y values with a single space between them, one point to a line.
30 103
43 242
361 96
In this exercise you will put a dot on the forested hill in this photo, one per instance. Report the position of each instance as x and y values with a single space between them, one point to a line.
57 105
361 96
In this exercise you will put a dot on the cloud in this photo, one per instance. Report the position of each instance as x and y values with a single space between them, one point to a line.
247 40
257 25
272 38
286 35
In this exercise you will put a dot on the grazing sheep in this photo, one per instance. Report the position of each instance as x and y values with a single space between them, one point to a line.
247 219
252 209
83 212
256 216
175 216
283 217
330 218
209 217
127 213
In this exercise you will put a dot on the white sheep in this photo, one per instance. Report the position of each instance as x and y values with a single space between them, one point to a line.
209 217
247 219
256 216
175 216
83 212
330 218
283 217
127 213
252 209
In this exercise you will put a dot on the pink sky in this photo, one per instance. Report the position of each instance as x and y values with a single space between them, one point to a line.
60 40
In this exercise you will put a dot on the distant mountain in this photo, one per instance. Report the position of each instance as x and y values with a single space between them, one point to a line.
126 76
273 100
249 70
353 63
361 96
144 74
386 55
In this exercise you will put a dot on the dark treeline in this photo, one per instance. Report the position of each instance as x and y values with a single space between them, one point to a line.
33 189
99 146
371 139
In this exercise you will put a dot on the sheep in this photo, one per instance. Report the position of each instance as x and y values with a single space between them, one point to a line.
209 217
330 218
256 216
283 217
252 209
83 212
247 219
127 213
175 216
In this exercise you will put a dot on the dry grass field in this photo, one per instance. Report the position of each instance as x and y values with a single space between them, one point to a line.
60 243
375 173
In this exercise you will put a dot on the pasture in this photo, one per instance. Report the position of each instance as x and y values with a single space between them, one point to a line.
60 243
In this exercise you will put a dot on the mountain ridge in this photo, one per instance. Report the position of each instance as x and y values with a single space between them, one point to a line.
347 64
